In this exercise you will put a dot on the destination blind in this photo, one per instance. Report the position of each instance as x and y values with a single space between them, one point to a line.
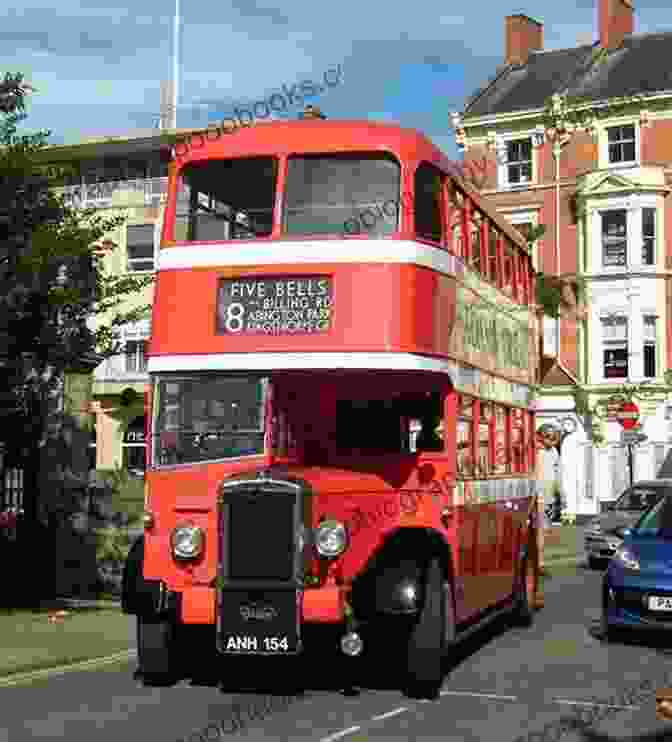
275 306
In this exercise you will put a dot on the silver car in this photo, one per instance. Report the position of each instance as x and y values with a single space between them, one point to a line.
603 534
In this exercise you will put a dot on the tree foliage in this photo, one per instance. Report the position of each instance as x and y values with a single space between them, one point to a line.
53 284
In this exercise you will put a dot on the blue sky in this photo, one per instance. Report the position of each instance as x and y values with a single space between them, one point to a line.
97 64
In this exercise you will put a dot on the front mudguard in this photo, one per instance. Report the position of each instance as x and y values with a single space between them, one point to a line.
141 597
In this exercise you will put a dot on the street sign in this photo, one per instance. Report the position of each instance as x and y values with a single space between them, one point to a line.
632 437
628 415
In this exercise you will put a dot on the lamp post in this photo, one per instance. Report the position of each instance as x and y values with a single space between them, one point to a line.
558 134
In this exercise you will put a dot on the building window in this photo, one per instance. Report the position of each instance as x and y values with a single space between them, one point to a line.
615 340
621 144
518 161
614 238
140 247
133 448
136 361
648 236
650 347
427 204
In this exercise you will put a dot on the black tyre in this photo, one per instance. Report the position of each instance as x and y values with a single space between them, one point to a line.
607 633
131 581
595 562
156 650
424 672
524 595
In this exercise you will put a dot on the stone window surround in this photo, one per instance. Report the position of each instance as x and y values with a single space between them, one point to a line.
500 141
635 337
603 142
157 242
633 205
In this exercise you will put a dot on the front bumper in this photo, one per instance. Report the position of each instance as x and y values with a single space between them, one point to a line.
324 604
627 603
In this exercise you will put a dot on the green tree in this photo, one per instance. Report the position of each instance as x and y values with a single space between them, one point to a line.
52 285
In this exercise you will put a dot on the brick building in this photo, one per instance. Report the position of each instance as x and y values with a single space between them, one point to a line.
602 193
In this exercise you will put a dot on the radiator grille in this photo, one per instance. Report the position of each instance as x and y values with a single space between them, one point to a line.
259 536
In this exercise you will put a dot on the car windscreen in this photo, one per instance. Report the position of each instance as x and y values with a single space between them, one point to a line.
639 498
342 194
657 521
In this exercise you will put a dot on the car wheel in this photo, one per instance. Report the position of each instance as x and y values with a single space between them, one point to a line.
424 651
524 595
607 632
595 562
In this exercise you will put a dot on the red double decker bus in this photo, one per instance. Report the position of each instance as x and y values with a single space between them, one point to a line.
341 425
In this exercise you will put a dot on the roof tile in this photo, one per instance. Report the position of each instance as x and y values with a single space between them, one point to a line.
634 68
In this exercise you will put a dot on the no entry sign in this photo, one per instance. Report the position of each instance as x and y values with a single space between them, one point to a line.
628 415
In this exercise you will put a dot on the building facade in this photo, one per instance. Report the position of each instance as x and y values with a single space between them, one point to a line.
124 176
601 189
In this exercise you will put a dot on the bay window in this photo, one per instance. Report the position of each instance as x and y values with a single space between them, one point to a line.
615 347
614 238
650 346
648 236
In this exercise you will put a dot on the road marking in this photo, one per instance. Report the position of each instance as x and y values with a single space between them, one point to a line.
342 733
477 695
26 677
400 710
595 705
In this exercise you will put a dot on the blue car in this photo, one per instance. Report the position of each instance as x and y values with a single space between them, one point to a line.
637 586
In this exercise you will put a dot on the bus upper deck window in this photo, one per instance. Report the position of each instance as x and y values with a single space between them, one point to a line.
353 194
227 199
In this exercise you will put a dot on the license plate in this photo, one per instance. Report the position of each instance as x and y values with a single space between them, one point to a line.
658 603
258 622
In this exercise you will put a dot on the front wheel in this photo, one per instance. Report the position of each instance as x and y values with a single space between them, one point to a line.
156 650
424 652
607 632
595 562
524 595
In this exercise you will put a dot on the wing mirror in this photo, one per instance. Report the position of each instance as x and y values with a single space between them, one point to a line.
623 532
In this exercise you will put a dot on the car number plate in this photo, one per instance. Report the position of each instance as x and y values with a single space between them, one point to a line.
658 603
256 644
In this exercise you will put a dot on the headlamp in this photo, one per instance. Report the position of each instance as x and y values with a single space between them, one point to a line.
187 541
331 538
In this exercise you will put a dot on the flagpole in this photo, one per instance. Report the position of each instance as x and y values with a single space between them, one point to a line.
176 43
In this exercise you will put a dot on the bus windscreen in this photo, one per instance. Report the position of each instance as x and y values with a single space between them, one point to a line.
323 192
228 199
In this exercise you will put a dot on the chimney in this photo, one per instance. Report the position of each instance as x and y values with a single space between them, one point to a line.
615 20
522 35
311 112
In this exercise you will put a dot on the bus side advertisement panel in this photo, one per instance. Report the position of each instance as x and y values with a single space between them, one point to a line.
491 339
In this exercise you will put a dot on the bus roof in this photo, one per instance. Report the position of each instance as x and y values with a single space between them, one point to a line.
315 136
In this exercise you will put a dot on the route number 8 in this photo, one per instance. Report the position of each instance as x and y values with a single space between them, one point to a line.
234 321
